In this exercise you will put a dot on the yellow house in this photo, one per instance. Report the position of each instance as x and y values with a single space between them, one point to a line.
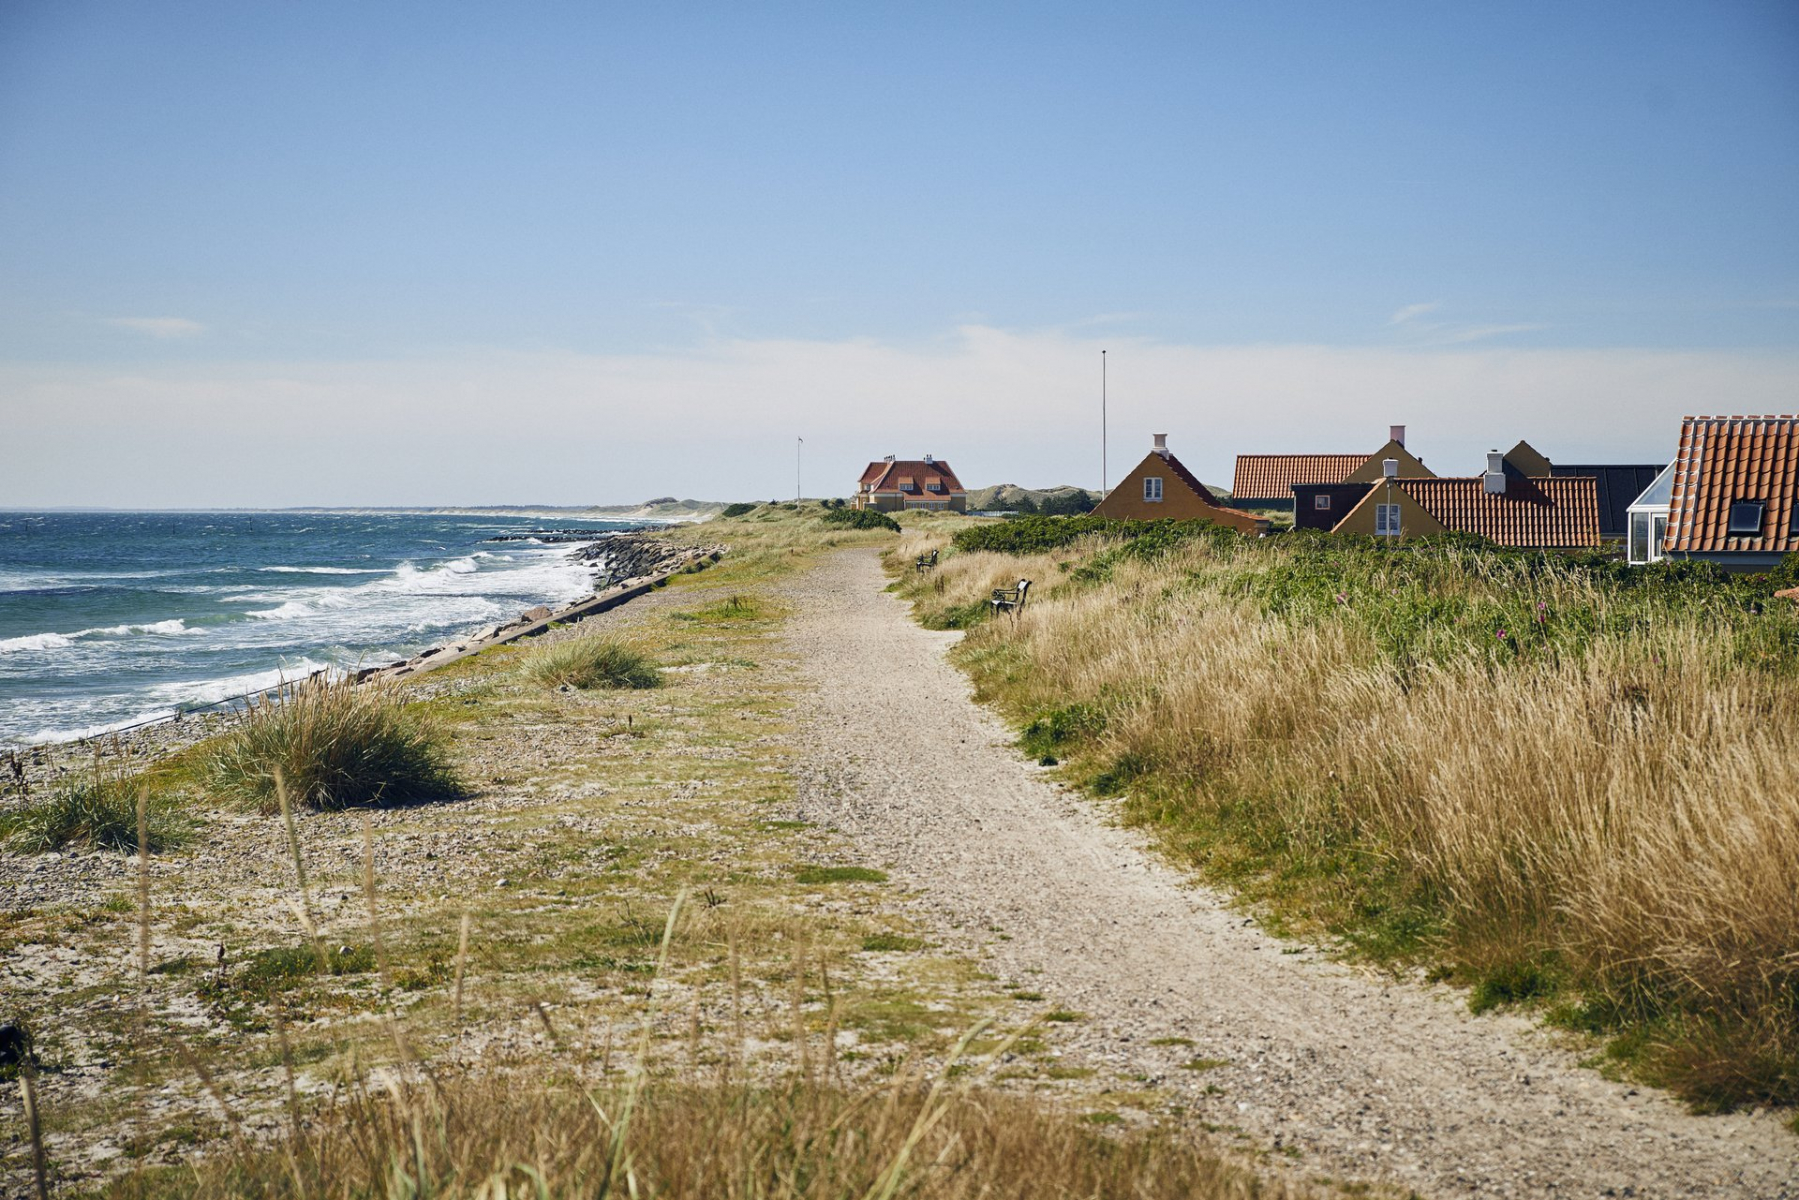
1540 512
1161 488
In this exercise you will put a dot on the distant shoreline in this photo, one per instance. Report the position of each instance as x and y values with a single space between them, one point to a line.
676 513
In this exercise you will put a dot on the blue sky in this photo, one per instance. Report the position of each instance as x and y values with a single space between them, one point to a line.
330 234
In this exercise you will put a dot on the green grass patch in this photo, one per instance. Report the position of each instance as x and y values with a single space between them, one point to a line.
1205 1064
883 942
731 608
818 875
1061 1072
1063 1016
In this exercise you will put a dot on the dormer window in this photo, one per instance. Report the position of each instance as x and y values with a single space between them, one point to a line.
1746 518
1152 489
1321 502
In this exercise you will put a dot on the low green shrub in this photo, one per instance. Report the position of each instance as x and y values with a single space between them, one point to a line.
739 510
99 813
336 745
858 518
592 663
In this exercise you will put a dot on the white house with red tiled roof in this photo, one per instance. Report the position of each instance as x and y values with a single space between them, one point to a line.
896 484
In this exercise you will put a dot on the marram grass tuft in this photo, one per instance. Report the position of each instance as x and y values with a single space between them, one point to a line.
591 663
335 744
99 813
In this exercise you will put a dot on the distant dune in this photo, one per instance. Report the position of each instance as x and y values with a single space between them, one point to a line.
1002 496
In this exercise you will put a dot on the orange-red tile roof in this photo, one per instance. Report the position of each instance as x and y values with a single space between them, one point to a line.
1725 459
910 475
1541 512
1272 476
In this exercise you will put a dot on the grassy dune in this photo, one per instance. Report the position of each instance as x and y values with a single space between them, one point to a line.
467 996
1556 781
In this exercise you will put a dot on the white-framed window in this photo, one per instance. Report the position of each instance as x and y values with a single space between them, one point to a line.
1152 488
1321 502
1386 520
1746 518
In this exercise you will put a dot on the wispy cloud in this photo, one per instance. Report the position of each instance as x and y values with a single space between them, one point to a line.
164 328
1456 334
1447 333
1412 312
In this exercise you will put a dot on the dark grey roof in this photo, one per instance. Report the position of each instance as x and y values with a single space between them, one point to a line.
1619 485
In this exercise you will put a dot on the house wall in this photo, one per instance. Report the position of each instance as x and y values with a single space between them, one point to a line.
1413 520
1343 499
1125 502
896 501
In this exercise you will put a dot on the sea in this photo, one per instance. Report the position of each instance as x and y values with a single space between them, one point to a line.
111 619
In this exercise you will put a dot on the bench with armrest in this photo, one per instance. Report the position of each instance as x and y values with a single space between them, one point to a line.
926 561
1011 599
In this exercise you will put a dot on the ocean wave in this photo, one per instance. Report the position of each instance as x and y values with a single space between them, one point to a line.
59 641
211 691
326 570
35 641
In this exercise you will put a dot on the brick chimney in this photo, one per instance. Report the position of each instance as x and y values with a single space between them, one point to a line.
1162 444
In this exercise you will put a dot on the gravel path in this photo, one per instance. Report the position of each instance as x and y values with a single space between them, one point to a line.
1356 1076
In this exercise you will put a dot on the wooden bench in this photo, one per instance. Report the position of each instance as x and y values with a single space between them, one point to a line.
926 561
1010 599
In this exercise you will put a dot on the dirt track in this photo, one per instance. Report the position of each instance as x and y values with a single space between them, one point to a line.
1360 1078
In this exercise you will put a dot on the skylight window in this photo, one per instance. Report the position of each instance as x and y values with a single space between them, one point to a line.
1746 518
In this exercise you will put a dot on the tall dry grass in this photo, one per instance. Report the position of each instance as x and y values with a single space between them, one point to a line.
519 1134
1563 789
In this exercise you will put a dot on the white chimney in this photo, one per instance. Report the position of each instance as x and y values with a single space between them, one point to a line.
1162 444
1396 433
1495 476
889 458
929 459
1389 467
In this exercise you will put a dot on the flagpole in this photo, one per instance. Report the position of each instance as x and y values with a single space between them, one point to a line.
1102 421
796 469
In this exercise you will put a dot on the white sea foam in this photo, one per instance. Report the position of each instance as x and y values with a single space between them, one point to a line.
46 737
209 691
59 641
35 641
326 570
163 627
